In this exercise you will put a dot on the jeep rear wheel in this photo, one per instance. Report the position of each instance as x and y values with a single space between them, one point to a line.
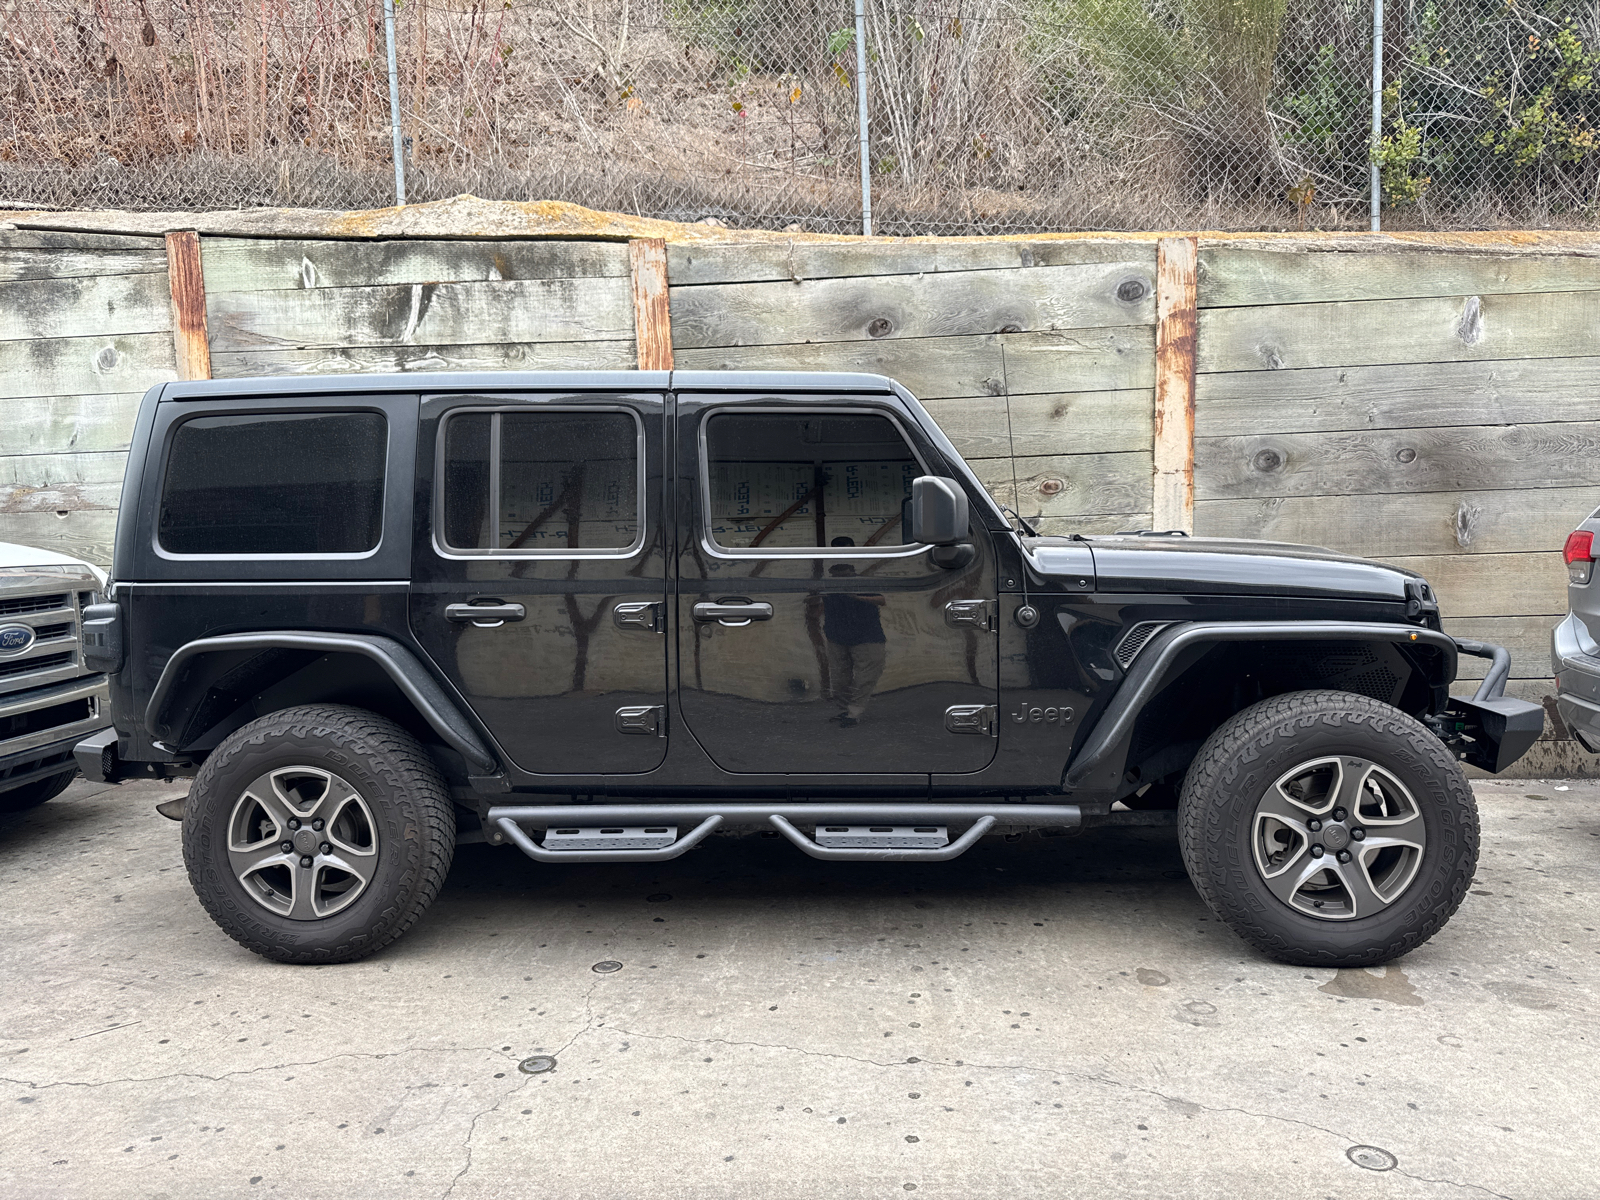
318 834
1328 829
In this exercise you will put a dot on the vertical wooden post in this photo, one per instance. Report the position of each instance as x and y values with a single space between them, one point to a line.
652 320
188 305
1177 297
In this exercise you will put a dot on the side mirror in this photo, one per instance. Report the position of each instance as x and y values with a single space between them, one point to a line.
937 511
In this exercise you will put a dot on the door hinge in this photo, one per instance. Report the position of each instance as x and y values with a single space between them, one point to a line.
645 615
969 614
971 718
646 719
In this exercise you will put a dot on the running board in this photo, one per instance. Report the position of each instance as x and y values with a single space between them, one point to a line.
506 823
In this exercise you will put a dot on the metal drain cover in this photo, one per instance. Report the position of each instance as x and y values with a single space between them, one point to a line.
539 1064
1372 1158
608 967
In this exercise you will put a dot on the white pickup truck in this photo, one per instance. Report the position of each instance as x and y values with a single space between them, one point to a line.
49 701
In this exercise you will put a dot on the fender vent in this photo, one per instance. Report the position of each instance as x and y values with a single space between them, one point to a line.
1135 640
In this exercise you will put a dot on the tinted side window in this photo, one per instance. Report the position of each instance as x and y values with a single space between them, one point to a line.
561 481
813 479
275 483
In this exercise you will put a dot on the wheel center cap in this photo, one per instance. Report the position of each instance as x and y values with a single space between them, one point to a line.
306 842
1335 837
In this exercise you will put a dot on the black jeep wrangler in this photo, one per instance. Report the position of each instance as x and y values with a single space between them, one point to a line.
598 616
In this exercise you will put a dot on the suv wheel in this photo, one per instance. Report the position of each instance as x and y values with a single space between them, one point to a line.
1328 829
31 795
318 834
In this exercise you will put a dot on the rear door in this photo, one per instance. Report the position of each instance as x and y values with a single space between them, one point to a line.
544 512
813 639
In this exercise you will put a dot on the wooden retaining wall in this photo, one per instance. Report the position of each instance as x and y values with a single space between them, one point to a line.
1433 407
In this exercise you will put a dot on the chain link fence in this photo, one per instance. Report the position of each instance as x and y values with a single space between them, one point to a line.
985 116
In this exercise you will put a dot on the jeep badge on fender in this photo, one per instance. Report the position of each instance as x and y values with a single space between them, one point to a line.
599 616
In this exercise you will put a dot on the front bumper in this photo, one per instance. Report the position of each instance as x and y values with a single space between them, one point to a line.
1491 730
1577 673
49 751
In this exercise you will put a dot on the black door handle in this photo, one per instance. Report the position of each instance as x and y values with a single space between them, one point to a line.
741 613
485 616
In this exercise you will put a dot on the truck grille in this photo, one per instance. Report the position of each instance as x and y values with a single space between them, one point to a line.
17 606
42 662
52 608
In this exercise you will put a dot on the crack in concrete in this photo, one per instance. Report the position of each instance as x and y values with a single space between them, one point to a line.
1477 1187
472 1128
35 1085
676 1037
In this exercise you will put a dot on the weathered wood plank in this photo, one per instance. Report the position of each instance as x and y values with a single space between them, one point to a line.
693 265
1405 396
65 424
18 264
1425 330
1420 523
47 239
61 482
86 365
1231 276
1082 360
1069 485
938 304
60 308
1528 639
1493 585
652 317
505 356
1063 423
259 265
87 534
1092 523
535 310
1398 460
188 286
1173 425
929 367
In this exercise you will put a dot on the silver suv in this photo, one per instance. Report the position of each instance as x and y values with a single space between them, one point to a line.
1574 653
49 701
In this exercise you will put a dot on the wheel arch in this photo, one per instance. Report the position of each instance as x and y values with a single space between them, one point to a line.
212 686
1194 676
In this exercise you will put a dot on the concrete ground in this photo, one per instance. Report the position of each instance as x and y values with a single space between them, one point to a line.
1047 1018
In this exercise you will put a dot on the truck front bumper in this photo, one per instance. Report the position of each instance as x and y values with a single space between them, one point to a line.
47 751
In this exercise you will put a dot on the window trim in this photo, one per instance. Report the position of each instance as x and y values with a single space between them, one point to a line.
733 553
436 512
170 441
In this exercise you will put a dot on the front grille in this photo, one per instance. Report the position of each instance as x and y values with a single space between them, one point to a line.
37 721
46 632
43 662
33 604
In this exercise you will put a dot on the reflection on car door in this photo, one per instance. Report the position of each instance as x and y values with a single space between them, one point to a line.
813 638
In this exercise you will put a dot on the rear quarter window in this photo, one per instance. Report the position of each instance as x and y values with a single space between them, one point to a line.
300 483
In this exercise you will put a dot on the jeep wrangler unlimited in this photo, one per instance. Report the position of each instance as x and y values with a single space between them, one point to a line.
597 616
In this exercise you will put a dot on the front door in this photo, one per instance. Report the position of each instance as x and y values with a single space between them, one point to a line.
813 639
540 581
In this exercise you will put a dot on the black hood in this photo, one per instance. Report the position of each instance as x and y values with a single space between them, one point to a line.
1218 567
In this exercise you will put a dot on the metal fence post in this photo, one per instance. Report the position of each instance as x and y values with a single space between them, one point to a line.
394 107
1377 108
861 117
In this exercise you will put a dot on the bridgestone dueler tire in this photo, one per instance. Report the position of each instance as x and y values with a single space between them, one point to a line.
410 804
1248 753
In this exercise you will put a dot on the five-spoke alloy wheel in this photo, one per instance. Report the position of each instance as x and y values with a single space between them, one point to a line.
318 833
1328 829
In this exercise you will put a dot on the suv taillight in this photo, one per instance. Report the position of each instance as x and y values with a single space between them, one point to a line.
1579 553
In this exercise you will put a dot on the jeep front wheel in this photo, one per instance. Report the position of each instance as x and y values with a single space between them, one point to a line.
1328 829
318 834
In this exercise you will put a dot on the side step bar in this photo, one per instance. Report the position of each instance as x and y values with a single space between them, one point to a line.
506 823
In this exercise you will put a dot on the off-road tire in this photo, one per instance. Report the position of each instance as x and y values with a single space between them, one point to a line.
1248 754
410 804
31 795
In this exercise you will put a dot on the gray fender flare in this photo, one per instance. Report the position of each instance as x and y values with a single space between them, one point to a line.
1150 670
398 663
